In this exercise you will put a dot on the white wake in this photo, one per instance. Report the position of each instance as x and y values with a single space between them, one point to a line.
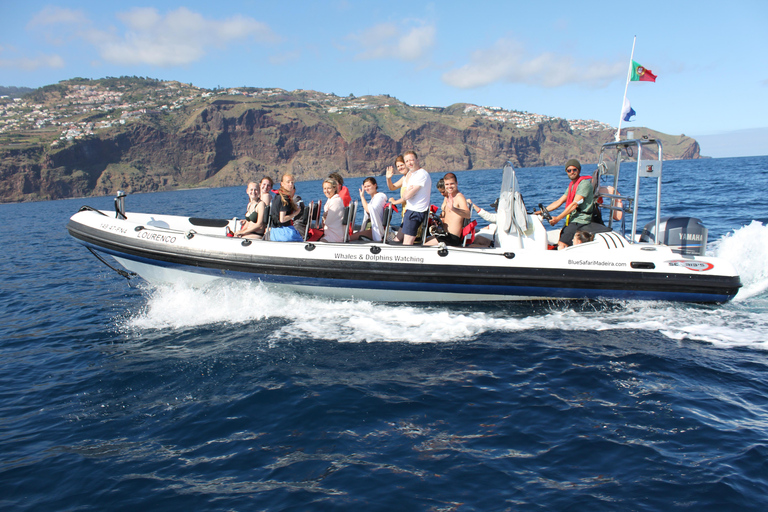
743 322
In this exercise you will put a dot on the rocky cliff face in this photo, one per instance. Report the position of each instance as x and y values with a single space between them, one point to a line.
229 142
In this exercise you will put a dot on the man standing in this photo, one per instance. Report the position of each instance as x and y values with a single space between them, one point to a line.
579 204
455 211
418 190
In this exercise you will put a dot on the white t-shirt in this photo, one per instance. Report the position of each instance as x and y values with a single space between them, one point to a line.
376 214
419 202
334 213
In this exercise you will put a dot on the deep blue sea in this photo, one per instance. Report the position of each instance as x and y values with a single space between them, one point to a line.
117 396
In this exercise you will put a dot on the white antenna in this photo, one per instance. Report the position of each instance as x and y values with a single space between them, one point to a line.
629 75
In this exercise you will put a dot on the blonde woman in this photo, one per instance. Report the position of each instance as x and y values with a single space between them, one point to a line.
333 224
255 221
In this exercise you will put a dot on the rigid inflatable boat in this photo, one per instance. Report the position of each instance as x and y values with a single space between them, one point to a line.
664 260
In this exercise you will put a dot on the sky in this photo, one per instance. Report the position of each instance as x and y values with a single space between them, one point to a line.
563 59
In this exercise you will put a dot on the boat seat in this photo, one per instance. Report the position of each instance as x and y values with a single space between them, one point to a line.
315 216
388 209
309 213
304 217
208 223
348 220
468 233
318 215
267 211
427 218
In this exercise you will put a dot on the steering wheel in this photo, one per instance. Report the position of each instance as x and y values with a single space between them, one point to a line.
545 213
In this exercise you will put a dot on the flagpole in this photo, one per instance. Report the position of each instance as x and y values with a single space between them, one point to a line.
626 86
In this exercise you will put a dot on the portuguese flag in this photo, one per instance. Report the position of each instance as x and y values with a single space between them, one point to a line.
641 74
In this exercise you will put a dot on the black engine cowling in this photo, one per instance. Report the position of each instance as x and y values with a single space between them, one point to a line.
684 235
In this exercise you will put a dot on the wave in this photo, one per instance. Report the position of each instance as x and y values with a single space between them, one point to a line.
287 315
745 248
291 316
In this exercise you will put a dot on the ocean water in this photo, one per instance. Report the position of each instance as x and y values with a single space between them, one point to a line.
118 396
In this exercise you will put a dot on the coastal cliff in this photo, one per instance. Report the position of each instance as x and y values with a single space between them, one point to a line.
182 136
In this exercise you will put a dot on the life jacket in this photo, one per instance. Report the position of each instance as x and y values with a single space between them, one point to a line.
344 195
572 186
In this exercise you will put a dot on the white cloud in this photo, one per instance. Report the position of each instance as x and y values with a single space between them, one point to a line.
57 16
507 61
176 38
31 64
390 41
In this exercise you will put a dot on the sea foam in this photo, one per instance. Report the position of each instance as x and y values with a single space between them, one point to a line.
739 323
297 316
746 249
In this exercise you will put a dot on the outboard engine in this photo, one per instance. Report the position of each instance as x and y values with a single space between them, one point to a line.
684 235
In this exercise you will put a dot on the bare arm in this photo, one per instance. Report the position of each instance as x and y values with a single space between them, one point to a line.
555 205
410 192
249 227
568 209
458 205
390 173
558 203
365 203
285 217
261 224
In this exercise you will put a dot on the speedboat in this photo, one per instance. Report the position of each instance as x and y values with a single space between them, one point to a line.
664 260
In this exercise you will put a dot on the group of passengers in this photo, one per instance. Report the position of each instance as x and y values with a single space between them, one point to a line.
415 191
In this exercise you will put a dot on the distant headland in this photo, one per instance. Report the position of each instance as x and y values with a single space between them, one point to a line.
84 137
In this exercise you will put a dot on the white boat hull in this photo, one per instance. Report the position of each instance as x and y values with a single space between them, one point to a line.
170 249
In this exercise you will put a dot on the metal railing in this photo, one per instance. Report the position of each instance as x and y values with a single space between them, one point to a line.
612 154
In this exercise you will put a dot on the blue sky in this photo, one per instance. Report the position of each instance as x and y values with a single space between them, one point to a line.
565 59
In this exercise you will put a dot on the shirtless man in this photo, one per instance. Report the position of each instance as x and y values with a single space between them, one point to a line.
418 189
454 211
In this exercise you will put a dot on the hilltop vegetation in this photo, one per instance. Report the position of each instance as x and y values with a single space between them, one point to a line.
91 137
14 92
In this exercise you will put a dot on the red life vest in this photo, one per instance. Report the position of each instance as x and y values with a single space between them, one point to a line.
572 186
344 195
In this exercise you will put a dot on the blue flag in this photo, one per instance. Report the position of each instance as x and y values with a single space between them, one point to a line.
627 111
